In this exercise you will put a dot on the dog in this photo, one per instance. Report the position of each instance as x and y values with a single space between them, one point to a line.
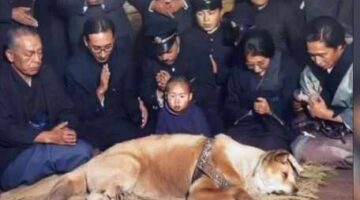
164 167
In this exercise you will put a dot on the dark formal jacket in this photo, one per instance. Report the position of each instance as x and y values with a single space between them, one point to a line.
276 86
215 44
192 121
184 17
26 111
82 79
283 23
150 67
52 29
76 13
6 23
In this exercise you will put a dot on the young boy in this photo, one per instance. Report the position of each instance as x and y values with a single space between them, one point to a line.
213 53
180 115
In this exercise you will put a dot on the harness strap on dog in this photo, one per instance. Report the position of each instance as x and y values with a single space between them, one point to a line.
203 166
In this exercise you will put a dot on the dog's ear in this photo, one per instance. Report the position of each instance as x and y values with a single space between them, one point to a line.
294 163
281 156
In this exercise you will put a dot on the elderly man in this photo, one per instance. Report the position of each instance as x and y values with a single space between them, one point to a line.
101 81
37 125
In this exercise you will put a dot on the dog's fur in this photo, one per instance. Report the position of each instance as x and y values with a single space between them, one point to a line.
161 167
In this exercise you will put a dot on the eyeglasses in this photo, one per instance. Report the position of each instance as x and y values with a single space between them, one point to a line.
99 49
261 64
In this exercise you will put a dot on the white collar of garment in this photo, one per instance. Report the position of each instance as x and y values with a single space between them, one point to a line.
329 70
28 81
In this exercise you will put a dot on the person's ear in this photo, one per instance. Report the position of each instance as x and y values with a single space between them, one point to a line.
10 55
178 40
190 96
85 41
222 13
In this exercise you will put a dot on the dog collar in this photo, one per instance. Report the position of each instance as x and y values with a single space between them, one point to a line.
205 167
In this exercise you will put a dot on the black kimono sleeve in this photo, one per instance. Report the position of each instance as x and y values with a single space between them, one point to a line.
5 11
86 103
148 85
13 131
234 106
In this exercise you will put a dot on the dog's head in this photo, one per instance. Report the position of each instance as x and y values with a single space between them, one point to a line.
276 173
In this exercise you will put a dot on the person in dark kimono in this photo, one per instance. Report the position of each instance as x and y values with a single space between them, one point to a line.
179 10
214 50
259 100
163 60
38 127
101 82
77 12
180 114
42 15
14 13
326 94
284 23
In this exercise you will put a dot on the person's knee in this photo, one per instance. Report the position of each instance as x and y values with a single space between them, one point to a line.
64 159
83 150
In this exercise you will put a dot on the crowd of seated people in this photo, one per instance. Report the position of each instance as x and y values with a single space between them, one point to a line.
75 79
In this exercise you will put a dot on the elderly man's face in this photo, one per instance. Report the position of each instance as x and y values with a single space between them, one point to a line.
26 55
101 45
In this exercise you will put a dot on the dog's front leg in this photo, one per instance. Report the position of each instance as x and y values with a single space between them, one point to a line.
205 189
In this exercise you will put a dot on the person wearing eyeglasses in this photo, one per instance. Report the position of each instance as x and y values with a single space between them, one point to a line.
259 101
100 80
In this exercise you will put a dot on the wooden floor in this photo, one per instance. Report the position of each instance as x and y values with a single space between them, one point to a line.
339 187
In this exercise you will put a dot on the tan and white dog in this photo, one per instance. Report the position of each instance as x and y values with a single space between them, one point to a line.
162 167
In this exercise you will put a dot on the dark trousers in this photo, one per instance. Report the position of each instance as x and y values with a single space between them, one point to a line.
103 133
261 133
215 120
42 160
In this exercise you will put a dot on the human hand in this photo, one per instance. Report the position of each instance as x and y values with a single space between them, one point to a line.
162 7
261 106
23 16
214 64
297 105
317 107
144 113
162 78
94 2
60 134
176 5
104 82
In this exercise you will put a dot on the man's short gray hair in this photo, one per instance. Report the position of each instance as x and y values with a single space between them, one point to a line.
14 33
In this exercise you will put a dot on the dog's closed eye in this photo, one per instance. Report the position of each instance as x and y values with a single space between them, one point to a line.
285 175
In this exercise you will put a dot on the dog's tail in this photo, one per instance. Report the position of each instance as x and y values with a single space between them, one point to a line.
70 185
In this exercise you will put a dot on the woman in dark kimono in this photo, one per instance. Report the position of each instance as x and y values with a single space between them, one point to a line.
259 99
